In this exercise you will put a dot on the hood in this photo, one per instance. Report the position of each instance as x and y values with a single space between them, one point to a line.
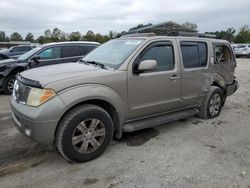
8 62
49 74
4 51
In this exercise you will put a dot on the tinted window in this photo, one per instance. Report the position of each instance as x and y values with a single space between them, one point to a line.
86 49
222 53
50 53
163 55
70 51
25 48
194 54
15 49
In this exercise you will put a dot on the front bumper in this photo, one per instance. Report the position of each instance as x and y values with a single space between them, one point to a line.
231 88
38 123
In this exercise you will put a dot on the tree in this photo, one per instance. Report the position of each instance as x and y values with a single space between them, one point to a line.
228 35
41 39
2 36
190 25
56 34
16 37
90 36
112 34
244 35
75 36
47 33
29 37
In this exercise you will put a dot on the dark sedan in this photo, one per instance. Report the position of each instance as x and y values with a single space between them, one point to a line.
16 51
47 54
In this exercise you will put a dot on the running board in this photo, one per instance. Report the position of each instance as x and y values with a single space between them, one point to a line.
158 120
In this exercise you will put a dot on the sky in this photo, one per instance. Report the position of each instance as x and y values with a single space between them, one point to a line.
101 16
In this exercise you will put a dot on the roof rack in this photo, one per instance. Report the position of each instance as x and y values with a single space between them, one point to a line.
138 35
173 33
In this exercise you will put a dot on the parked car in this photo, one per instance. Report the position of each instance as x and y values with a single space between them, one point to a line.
124 85
47 54
16 51
3 57
242 50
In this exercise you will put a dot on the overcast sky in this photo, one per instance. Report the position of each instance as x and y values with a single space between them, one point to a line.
102 16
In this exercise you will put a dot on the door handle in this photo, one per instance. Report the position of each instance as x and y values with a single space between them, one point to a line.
174 77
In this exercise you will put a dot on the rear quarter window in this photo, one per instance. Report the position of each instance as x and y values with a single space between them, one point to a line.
222 53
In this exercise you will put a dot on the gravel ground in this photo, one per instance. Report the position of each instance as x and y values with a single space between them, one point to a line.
188 153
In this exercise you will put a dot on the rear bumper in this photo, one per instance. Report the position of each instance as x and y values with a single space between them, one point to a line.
231 88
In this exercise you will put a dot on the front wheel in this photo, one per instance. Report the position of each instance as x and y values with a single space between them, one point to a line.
8 84
212 103
84 133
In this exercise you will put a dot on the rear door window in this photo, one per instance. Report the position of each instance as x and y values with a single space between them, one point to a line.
70 51
194 54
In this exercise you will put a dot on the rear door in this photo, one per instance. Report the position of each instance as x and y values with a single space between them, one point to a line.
194 56
156 91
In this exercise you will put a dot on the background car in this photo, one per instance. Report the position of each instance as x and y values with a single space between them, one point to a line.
242 50
2 56
16 51
47 54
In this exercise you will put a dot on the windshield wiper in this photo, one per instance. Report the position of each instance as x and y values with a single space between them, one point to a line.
93 63
97 63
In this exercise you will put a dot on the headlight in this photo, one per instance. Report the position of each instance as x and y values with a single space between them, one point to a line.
37 96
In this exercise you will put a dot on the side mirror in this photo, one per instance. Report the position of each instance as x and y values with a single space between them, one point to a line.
146 65
35 58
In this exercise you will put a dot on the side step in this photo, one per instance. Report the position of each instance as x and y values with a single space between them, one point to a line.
158 120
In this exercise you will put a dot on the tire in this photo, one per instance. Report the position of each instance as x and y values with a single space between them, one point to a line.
9 84
84 133
212 103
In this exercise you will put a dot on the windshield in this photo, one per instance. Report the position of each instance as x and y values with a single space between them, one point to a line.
113 53
29 53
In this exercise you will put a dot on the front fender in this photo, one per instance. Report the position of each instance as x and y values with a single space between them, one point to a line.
79 94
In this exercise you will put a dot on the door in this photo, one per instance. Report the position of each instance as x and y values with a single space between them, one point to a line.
194 71
155 91
49 56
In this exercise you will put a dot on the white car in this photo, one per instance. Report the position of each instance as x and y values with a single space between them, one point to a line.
242 50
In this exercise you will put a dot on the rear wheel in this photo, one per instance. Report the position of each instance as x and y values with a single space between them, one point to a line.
84 133
8 84
212 103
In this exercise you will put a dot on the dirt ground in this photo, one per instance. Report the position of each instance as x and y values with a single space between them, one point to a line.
188 153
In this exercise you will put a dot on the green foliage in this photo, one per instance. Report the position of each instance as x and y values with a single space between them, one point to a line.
244 35
75 36
29 37
16 37
2 36
228 35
